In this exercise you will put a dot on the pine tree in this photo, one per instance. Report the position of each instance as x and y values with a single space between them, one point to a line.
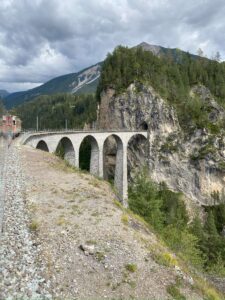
144 200
210 225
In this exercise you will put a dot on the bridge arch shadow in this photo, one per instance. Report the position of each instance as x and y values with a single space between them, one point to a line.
137 154
66 150
113 150
89 155
42 145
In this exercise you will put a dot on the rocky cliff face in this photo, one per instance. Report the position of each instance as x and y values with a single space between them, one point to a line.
191 163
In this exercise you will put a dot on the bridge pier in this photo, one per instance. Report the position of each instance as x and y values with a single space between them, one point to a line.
101 162
120 180
94 163
76 150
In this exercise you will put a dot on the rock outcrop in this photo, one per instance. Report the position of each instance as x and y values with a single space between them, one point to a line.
193 164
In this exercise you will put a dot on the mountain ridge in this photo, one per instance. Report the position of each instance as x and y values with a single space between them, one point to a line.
86 80
83 81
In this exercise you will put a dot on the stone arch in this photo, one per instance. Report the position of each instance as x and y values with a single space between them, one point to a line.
42 145
90 145
66 150
118 155
137 154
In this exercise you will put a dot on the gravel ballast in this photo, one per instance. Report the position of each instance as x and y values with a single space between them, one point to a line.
20 275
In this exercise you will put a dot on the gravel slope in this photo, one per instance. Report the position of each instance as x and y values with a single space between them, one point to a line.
65 237
20 275
2 179
92 248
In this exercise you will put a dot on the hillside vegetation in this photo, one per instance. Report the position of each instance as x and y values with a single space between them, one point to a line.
83 82
171 78
172 75
203 246
55 110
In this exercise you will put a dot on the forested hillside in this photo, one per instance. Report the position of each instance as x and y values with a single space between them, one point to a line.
202 244
171 78
172 75
82 82
57 111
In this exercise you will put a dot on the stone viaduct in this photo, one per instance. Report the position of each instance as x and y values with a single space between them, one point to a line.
71 142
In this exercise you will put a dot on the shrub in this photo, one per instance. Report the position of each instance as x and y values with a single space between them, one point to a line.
100 256
145 201
173 206
221 165
165 259
212 294
125 219
118 204
61 221
34 225
185 244
131 267
165 210
169 147
173 290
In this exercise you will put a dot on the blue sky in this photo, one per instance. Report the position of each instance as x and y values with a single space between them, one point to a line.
42 39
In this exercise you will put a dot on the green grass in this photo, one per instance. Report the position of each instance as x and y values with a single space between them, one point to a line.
34 225
174 291
125 219
100 256
131 267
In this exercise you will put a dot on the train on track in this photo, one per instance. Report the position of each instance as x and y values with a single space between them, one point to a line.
10 126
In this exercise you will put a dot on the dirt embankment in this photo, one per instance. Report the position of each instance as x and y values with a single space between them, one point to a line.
89 246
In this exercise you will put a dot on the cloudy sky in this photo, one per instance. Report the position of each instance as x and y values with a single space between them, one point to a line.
42 39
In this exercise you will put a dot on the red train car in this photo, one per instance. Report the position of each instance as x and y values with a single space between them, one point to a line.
10 126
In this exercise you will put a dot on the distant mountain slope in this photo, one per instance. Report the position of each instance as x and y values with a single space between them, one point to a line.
82 82
3 93
86 80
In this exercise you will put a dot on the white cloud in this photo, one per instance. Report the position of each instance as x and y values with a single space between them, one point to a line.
41 39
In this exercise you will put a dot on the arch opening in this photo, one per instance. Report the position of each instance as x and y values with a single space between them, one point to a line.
42 146
89 155
112 157
66 151
137 155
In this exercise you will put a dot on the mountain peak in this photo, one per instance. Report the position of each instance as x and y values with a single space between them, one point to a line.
148 47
